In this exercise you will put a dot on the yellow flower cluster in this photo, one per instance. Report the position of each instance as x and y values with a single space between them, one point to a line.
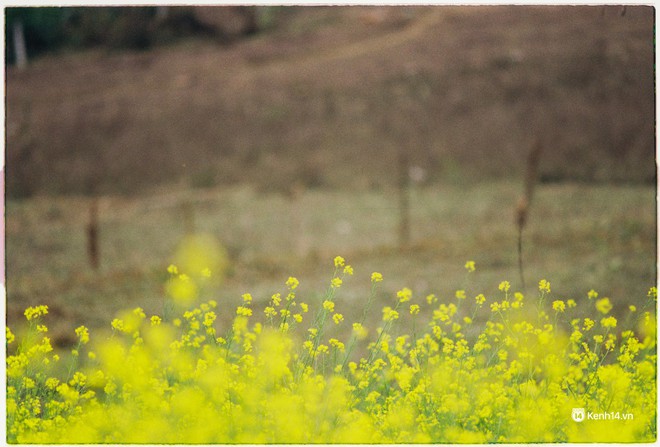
558 306
604 305
376 277
404 295
32 313
511 378
83 334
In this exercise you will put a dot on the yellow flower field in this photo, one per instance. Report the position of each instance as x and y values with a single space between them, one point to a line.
470 369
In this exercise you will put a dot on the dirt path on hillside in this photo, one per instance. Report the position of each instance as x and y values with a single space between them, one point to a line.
354 50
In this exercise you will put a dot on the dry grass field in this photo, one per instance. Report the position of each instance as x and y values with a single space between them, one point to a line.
580 237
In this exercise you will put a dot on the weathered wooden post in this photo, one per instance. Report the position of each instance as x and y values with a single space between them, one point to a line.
93 234
522 210
20 48
404 198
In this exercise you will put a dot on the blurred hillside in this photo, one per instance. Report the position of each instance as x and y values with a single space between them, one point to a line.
329 96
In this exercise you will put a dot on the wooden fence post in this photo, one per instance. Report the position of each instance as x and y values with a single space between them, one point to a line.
93 234
522 210
404 198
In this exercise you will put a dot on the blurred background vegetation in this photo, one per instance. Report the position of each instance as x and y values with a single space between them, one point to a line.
325 95
286 131
52 29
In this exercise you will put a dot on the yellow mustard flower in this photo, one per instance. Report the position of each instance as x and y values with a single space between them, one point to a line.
292 282
609 322
32 313
360 331
558 306
610 343
389 314
576 336
588 324
209 318
604 305
243 311
83 334
117 324
52 383
79 379
404 295
336 344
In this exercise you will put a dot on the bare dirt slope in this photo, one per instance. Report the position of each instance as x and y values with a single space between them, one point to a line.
331 94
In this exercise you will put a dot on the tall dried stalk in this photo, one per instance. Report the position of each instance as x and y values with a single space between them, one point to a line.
522 210
404 199
93 234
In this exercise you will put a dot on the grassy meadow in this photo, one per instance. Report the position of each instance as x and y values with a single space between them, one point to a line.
580 236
